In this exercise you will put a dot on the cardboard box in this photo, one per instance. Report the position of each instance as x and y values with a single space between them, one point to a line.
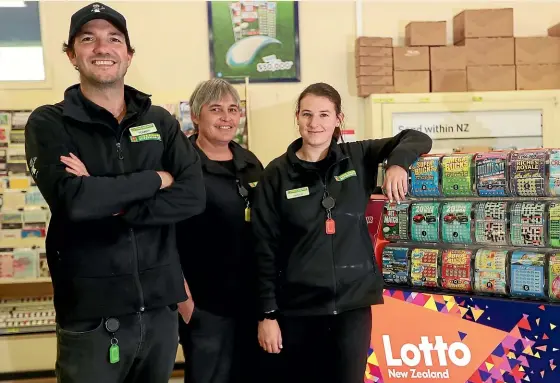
375 80
426 33
368 70
413 81
483 23
534 77
366 90
374 61
451 57
537 50
454 80
411 58
374 51
365 41
491 78
490 51
554 30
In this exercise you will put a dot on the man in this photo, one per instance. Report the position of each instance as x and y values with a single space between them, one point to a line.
117 174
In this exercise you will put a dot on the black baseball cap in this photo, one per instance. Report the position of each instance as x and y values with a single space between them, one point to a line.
97 11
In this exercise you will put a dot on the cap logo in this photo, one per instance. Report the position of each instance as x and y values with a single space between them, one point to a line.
97 8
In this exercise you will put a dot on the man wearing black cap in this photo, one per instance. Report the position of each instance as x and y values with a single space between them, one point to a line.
117 174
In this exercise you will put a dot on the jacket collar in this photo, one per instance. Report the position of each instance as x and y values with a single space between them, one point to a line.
80 108
334 155
241 157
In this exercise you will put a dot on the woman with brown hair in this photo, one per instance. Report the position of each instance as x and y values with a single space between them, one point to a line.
317 275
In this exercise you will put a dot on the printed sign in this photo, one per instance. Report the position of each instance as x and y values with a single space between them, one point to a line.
424 226
395 221
527 274
254 39
490 275
456 222
395 265
456 269
424 177
527 224
527 173
457 175
424 267
491 176
491 223
471 124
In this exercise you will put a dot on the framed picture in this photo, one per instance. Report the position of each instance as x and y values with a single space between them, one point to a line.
254 39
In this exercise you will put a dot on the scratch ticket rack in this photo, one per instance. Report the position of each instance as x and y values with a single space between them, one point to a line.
483 223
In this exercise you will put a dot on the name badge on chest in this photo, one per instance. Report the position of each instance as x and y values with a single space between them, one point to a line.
143 129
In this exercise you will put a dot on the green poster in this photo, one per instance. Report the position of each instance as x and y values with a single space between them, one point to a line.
255 39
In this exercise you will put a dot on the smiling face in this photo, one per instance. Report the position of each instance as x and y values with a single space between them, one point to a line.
317 120
100 53
218 120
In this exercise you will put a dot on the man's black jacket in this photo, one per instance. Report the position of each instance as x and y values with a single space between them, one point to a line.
302 269
111 241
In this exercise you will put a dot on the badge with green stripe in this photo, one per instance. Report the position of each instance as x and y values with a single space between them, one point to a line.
297 193
344 176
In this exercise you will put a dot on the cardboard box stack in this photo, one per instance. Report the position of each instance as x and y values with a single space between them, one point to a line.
487 36
374 65
485 56
412 62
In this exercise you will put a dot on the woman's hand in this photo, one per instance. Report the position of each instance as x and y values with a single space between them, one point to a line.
186 310
395 185
270 336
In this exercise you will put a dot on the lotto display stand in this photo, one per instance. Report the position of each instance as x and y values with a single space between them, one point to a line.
471 265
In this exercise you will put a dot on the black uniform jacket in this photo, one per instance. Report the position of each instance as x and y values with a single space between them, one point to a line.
111 243
302 270
216 247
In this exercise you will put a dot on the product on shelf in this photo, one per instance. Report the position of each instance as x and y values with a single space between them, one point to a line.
492 174
395 265
456 222
527 274
528 224
554 277
424 266
554 172
554 224
456 269
425 177
457 175
491 222
395 221
490 272
528 173
424 225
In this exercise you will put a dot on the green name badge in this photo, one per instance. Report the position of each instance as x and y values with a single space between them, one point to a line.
253 184
146 137
343 176
297 193
143 129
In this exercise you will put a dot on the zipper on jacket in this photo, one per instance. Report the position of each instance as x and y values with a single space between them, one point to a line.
135 260
325 195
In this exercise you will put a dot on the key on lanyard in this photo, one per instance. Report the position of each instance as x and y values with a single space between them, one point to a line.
328 203
244 193
112 325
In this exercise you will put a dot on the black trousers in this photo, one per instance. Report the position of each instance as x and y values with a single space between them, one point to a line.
147 345
325 349
220 349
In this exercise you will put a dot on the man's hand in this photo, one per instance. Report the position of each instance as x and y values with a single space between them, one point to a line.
74 165
395 185
186 309
166 179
